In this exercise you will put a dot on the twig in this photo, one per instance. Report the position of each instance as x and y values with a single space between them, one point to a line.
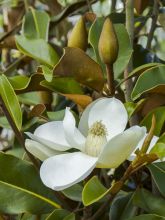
130 28
113 6
16 28
153 24
12 67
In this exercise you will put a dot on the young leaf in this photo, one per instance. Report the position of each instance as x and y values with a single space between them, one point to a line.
93 191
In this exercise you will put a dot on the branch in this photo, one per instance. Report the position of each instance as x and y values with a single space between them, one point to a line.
130 29
153 24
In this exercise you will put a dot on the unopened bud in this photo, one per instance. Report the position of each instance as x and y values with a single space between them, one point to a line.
108 43
78 37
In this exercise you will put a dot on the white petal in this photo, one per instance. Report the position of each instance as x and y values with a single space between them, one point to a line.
72 134
62 171
40 151
112 113
83 124
120 147
52 135
139 146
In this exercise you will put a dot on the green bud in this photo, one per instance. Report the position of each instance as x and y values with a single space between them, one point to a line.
78 37
108 43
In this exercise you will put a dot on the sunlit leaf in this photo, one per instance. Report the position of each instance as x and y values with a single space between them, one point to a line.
38 49
11 101
93 191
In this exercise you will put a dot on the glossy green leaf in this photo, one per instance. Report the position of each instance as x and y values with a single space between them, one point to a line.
93 191
158 174
63 85
21 189
94 35
125 50
150 203
160 119
58 214
122 207
74 192
11 101
151 81
38 49
139 70
36 24
148 217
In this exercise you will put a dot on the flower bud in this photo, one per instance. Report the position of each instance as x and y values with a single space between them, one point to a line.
78 37
108 43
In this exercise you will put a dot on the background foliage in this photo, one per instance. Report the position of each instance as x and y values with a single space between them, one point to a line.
40 76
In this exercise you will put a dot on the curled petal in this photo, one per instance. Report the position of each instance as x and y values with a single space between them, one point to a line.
120 147
72 134
112 113
40 151
52 135
62 171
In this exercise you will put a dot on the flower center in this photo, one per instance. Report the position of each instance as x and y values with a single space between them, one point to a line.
96 139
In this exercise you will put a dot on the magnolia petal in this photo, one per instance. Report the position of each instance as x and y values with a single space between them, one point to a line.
62 171
52 135
72 134
139 146
112 113
120 147
83 124
40 151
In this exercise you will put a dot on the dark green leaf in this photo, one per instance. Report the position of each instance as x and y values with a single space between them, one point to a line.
74 192
148 217
150 203
21 189
122 207
158 174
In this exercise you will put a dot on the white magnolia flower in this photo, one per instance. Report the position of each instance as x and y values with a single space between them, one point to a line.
100 141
